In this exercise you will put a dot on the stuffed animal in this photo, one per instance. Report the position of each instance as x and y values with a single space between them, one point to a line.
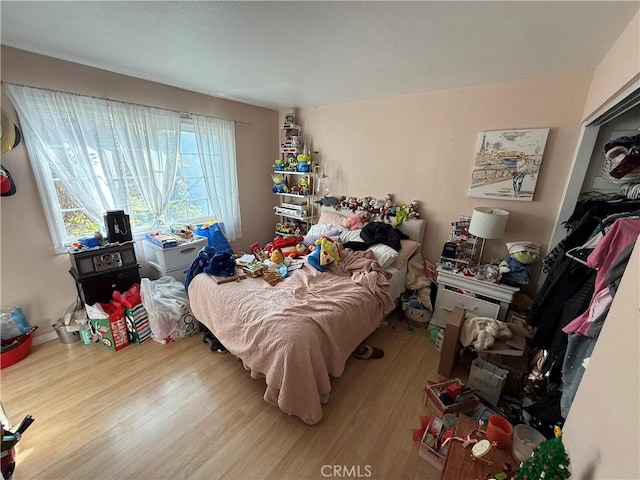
303 186
350 203
277 260
327 252
279 183
516 269
310 240
355 222
328 201
385 213
277 257
297 250
413 209
402 213
281 243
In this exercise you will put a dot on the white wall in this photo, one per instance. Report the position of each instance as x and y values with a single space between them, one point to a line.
422 147
617 70
602 431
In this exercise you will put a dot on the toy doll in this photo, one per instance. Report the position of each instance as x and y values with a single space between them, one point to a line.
516 268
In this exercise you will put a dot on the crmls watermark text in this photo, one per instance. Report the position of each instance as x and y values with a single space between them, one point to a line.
346 471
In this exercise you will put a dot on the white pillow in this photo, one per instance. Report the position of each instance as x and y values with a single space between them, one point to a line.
408 248
322 228
384 254
328 217
350 236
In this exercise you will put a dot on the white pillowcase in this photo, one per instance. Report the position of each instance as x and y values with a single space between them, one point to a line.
322 228
350 236
384 254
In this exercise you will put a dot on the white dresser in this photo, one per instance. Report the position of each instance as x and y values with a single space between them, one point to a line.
172 261
489 299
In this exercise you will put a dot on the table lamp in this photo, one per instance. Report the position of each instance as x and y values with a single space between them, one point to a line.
487 223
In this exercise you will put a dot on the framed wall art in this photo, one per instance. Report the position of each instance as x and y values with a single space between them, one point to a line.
507 164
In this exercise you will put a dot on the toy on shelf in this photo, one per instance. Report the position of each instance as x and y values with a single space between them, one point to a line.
279 183
459 249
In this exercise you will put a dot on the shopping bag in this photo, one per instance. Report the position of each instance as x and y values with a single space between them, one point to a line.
136 317
167 305
138 329
108 324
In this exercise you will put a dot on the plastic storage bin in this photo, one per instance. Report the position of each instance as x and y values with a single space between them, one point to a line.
487 379
167 260
13 356
180 274
525 439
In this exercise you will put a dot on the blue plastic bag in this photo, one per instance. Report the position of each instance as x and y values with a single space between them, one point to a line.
215 236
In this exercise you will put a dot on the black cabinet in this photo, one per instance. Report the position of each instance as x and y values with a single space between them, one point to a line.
99 271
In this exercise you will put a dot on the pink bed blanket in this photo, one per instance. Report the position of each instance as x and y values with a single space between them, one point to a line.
300 332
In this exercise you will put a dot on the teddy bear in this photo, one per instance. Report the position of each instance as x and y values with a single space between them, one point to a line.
413 210
385 212
516 269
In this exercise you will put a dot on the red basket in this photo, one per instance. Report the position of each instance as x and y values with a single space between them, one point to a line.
16 354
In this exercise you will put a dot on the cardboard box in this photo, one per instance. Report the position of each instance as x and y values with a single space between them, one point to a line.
435 405
518 324
450 344
514 346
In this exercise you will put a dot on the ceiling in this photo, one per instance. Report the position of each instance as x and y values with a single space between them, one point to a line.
299 54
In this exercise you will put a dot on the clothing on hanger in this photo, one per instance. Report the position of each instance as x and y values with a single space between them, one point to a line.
623 232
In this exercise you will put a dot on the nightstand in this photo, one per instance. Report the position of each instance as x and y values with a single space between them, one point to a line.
490 300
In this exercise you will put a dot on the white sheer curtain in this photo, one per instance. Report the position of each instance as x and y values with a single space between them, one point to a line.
82 158
217 151
94 146
150 140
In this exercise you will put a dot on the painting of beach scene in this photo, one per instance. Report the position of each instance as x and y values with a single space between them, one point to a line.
507 164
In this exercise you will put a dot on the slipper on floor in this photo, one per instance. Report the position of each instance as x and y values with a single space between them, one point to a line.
365 351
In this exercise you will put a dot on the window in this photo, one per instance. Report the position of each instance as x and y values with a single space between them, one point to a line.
91 155
190 198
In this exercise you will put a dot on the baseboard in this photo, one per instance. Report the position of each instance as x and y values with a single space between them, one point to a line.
47 337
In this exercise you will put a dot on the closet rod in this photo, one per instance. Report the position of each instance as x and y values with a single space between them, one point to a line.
183 114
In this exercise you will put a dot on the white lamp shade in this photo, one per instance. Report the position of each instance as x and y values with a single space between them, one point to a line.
487 222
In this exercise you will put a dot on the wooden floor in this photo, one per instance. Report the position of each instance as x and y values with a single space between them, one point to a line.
181 411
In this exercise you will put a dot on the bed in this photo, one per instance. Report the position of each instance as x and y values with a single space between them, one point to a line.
300 332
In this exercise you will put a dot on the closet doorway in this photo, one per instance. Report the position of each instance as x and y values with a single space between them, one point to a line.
621 115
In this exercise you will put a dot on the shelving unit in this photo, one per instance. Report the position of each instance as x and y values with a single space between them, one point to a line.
295 207
466 248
